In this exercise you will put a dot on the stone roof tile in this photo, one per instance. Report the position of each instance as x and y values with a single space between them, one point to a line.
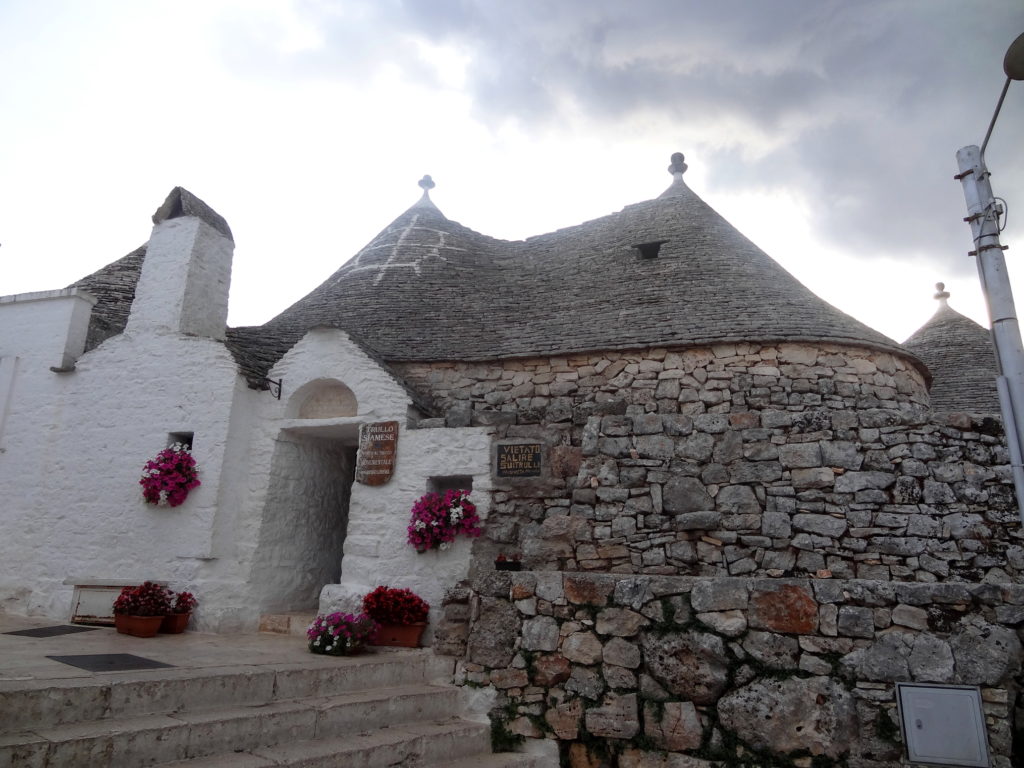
114 288
427 288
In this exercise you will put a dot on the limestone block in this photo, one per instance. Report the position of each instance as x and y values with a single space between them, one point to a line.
719 595
754 471
583 589
856 621
621 653
620 622
585 682
851 482
618 678
676 728
564 718
823 525
885 660
985 654
909 616
783 607
582 648
493 636
693 665
931 659
538 634
685 494
800 455
616 718
550 670
814 714
772 650
728 623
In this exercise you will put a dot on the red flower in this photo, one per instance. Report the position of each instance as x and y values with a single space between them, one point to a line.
395 606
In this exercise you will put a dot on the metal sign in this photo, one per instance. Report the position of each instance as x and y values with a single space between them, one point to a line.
378 444
519 459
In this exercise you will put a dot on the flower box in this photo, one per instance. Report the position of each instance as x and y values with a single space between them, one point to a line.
137 626
175 623
399 635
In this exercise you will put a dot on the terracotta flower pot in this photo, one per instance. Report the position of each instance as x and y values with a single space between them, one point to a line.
399 635
137 626
175 623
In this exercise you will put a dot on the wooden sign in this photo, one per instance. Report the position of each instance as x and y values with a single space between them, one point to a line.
375 461
519 459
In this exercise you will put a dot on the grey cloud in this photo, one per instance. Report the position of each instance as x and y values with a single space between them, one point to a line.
865 102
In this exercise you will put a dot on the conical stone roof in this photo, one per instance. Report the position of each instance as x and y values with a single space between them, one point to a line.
427 288
960 355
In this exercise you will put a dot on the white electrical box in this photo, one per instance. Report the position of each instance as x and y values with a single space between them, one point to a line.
943 724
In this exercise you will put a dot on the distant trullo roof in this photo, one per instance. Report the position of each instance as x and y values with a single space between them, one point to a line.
668 271
960 355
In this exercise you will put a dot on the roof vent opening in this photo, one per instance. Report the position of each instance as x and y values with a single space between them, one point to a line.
650 250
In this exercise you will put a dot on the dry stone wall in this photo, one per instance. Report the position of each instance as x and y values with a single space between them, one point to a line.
742 460
638 670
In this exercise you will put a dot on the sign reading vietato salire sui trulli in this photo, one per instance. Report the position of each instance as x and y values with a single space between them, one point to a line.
375 461
519 459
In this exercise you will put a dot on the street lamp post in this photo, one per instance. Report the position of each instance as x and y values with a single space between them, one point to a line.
983 212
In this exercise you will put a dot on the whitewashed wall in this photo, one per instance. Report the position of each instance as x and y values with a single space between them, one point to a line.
376 551
74 446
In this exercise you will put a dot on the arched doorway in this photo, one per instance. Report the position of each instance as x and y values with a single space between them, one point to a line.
305 516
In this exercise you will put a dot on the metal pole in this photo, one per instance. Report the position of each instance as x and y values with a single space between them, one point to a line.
983 216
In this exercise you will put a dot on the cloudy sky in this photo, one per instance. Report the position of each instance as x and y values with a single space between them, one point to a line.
825 130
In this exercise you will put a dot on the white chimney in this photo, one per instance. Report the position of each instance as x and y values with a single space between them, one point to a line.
186 274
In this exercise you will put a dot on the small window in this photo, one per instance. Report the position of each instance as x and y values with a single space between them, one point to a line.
185 438
444 483
650 250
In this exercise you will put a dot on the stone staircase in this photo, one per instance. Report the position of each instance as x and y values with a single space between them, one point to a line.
381 709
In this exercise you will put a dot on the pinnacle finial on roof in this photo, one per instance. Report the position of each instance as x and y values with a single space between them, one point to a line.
678 187
941 293
426 184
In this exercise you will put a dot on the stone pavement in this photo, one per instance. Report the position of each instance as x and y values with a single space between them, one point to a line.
249 701
25 658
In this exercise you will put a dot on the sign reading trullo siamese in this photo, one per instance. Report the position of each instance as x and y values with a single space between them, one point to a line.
378 443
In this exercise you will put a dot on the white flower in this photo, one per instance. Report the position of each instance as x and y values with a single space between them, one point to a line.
420 525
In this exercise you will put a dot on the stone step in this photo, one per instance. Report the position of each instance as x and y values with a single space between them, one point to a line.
294 623
156 739
33 704
500 760
421 745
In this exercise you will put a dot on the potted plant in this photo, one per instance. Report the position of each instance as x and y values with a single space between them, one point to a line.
169 477
181 611
340 634
438 518
401 613
140 610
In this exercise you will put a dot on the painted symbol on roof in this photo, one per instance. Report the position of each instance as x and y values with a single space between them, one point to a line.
414 246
